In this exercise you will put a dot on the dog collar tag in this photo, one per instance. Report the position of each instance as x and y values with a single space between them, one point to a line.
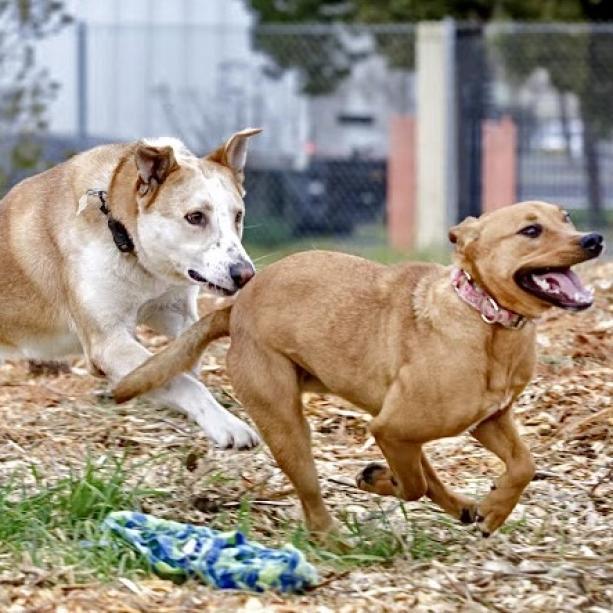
84 202
121 237
475 296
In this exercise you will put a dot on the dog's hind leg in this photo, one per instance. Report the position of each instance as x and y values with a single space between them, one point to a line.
401 445
499 435
410 475
267 384
379 479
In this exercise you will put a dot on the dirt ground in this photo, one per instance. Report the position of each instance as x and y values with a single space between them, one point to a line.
555 553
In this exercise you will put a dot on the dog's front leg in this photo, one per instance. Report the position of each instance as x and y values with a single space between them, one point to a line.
172 313
118 354
499 435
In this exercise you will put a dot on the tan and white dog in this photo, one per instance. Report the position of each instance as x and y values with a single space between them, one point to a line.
117 236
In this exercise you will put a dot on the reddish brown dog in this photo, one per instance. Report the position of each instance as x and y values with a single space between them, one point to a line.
429 351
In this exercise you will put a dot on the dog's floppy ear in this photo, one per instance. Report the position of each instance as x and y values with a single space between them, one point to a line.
465 232
233 153
154 164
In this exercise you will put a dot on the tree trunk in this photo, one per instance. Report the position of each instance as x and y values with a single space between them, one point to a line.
592 105
592 175
565 123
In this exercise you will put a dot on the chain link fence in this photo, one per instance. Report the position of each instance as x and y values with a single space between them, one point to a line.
327 96
555 81
350 81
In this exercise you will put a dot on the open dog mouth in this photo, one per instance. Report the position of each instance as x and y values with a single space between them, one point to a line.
558 286
196 276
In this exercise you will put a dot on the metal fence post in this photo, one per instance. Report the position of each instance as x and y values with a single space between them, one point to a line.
451 111
472 90
81 32
436 132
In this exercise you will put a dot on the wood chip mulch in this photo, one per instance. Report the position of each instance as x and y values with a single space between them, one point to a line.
556 555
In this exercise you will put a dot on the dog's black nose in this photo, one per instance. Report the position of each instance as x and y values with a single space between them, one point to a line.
241 272
593 243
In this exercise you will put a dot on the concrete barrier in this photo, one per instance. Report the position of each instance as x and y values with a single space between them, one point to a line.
499 170
436 164
401 190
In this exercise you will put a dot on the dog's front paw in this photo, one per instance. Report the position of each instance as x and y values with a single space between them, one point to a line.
469 513
494 510
377 479
229 432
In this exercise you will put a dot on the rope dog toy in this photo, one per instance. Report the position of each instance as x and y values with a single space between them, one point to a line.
226 560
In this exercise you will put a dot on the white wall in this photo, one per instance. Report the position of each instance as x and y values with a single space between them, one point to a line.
191 47
186 68
178 12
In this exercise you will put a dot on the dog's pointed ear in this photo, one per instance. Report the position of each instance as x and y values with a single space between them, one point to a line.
464 233
154 164
233 153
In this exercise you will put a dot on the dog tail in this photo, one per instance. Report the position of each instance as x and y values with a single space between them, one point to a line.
181 355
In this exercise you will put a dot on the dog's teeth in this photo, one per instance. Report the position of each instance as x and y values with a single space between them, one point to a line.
542 283
580 297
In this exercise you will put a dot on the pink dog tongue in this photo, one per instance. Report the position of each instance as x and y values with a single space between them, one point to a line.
564 282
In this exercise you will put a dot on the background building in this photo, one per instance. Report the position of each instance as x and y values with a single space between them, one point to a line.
500 107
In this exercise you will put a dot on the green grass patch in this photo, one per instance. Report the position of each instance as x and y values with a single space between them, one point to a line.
376 541
513 525
368 241
379 540
554 360
219 478
269 240
581 217
59 526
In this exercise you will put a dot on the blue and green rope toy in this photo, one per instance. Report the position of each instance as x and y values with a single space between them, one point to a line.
227 560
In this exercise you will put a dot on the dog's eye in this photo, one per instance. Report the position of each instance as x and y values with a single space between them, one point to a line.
531 231
196 218
567 218
239 217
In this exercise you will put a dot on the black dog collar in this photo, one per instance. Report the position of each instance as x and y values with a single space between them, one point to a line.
121 236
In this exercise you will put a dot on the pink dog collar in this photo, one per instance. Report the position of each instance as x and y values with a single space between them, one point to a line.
478 298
